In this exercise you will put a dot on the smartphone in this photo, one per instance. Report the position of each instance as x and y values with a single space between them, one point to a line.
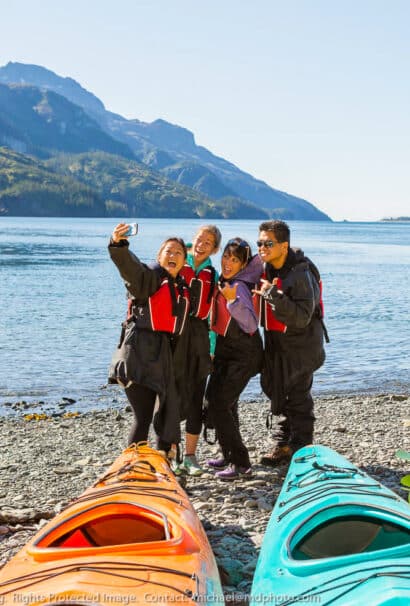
132 230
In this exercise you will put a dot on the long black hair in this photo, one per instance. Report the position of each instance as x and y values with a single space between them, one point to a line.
239 248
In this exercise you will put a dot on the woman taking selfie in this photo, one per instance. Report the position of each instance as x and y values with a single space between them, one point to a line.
238 355
144 363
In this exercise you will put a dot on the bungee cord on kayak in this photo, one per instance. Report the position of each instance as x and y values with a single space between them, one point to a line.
314 592
107 568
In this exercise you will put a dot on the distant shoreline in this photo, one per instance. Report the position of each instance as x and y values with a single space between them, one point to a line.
396 220
204 218
67 403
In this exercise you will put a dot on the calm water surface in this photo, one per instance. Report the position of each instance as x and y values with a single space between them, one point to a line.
62 303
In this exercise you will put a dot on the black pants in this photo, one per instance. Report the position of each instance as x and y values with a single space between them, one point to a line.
226 421
196 370
296 425
236 361
142 401
194 412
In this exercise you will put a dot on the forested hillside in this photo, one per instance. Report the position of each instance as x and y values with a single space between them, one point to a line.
101 184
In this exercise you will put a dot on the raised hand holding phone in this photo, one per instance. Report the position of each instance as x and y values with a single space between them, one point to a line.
132 230
122 231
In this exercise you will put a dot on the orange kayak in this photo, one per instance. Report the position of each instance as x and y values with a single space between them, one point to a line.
132 538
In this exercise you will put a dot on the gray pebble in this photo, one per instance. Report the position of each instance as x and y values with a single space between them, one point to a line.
263 505
47 463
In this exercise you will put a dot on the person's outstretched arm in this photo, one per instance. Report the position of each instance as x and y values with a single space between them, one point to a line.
140 280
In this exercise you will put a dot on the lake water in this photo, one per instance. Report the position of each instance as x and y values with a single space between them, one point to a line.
62 302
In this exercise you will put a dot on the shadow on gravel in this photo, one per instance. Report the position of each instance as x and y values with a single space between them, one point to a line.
387 476
236 557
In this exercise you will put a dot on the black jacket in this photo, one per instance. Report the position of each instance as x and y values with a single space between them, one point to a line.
148 357
299 351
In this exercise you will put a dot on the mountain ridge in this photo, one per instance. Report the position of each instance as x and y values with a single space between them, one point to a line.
46 122
169 149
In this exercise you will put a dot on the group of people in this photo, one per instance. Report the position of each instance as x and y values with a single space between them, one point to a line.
192 336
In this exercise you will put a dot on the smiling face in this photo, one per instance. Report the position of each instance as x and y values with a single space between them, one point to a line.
203 246
171 257
230 265
270 250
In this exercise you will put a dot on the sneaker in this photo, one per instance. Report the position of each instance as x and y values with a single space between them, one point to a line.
176 468
233 472
219 463
191 466
280 454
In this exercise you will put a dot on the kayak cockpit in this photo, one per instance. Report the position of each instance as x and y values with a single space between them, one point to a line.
107 524
332 533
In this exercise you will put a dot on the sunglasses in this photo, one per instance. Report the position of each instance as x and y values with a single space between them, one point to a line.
235 242
240 244
266 243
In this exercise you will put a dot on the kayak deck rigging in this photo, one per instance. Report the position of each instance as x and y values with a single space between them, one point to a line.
336 536
111 568
133 533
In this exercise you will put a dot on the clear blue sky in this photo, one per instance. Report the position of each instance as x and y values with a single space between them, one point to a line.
312 96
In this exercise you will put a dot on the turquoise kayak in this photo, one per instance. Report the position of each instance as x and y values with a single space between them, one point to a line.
336 536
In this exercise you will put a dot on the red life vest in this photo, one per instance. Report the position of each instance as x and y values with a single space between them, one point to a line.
166 310
220 316
265 313
202 287
321 306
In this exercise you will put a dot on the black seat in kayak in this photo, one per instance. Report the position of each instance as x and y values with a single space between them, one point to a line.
349 535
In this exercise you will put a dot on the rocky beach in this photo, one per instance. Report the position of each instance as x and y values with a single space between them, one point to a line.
48 459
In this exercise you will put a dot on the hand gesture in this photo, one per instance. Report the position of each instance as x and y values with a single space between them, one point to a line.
265 285
119 232
229 292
